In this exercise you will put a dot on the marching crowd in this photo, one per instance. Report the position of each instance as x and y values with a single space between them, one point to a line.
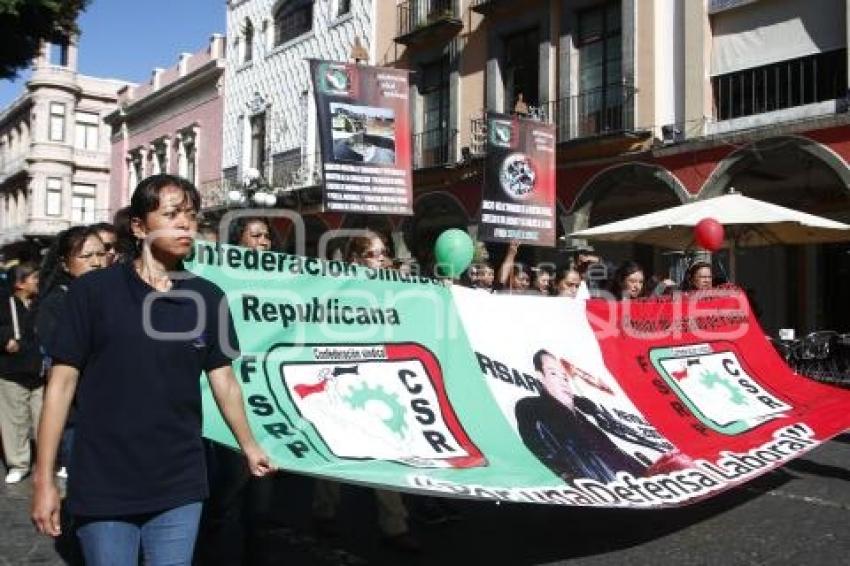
120 411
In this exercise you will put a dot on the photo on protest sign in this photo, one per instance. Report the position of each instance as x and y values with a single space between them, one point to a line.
519 182
364 131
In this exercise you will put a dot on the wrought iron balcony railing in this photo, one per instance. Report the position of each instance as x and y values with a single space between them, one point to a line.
605 110
433 148
415 17
485 6
478 135
295 169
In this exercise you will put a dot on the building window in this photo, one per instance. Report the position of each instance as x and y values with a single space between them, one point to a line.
54 197
600 47
87 131
292 19
258 142
82 204
522 69
248 45
160 157
57 122
191 160
436 106
58 53
134 171
343 7
601 105
805 80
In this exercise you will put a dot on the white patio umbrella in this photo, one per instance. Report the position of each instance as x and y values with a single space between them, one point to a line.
747 222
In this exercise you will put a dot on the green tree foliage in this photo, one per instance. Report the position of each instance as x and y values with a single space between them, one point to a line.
25 23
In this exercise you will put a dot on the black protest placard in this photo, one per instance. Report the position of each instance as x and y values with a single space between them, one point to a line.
519 182
364 130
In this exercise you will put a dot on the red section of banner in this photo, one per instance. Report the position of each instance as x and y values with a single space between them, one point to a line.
700 367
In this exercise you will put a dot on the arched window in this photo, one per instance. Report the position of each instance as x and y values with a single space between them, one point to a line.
248 33
291 19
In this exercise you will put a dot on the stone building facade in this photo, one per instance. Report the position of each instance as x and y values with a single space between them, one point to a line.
54 152
269 113
171 125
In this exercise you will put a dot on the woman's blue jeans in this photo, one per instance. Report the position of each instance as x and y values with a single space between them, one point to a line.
167 537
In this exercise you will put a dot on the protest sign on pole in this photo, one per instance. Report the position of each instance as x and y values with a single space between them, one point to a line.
519 182
364 130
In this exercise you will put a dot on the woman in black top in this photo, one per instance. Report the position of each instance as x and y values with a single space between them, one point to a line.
131 344
75 252
21 378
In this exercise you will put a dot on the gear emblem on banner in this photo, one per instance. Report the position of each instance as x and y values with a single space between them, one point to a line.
359 397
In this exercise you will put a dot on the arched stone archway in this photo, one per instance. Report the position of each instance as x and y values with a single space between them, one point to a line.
793 286
792 171
623 191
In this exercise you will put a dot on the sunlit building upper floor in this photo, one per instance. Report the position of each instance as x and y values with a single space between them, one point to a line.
54 151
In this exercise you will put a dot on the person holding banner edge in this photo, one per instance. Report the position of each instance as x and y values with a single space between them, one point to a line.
138 462
231 514
369 250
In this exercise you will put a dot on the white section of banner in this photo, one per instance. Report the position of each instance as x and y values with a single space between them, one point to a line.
507 331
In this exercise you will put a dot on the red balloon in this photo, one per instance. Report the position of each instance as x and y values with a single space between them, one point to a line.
709 234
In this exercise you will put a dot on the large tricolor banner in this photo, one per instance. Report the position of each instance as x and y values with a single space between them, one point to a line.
364 128
377 377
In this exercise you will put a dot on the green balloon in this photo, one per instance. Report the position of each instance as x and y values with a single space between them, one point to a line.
453 252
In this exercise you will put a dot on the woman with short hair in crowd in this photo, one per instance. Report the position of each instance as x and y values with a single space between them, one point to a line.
128 350
698 277
569 283
628 282
108 234
253 232
370 250
543 281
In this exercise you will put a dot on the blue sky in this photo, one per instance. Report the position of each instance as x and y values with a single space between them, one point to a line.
126 39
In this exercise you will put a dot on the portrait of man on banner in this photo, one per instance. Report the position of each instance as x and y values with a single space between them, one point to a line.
562 436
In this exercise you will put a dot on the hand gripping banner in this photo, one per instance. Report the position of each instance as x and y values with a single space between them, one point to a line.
380 378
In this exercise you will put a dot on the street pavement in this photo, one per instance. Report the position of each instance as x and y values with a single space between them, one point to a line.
797 515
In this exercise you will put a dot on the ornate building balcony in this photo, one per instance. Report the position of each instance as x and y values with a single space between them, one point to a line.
485 7
55 76
434 148
601 111
424 21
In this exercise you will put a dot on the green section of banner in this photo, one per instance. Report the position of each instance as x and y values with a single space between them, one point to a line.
360 374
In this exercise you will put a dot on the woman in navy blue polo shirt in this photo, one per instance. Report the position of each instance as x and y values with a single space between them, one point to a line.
131 344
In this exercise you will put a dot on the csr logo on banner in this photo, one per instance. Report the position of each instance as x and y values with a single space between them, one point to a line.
712 381
382 402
